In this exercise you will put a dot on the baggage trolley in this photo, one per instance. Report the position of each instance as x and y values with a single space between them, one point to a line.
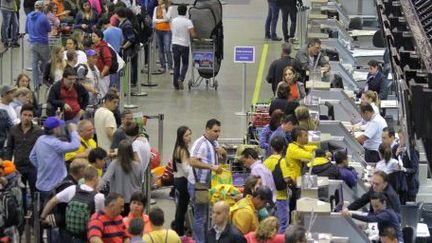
203 57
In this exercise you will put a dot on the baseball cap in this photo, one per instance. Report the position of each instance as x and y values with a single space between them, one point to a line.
91 52
265 193
53 122
6 89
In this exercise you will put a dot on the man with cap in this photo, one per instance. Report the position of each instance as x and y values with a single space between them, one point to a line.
69 96
244 212
48 152
38 28
92 78
7 96
275 72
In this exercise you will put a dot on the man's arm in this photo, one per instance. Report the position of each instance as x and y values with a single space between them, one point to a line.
110 132
49 207
361 202
10 145
361 139
192 32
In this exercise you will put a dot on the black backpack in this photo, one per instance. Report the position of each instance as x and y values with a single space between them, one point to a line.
278 177
79 210
9 210
114 66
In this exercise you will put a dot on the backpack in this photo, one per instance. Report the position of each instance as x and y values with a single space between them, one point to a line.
278 177
114 62
9 210
79 211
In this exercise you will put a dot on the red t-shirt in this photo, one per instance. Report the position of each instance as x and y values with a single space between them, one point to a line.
110 230
294 92
70 97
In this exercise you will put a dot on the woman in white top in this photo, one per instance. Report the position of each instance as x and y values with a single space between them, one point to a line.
387 164
181 167
72 45
54 69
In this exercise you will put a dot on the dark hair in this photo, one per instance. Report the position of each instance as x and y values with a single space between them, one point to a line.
136 226
389 232
295 233
283 90
250 152
71 54
292 69
275 120
125 155
90 173
249 184
340 157
390 130
378 196
157 217
278 144
69 71
373 63
96 153
139 197
132 129
290 108
180 146
290 118
319 152
212 122
182 9
385 152
126 112
382 174
27 107
112 197
296 132
286 48
74 41
366 107
121 12
99 33
314 41
111 95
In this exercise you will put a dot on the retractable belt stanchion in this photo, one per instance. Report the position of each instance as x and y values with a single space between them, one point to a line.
150 64
301 24
128 104
22 35
1 68
139 92
11 66
37 225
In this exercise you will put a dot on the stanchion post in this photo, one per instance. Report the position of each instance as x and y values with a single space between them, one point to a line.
11 65
128 104
150 65
243 109
161 118
140 92
36 210
121 90
22 51
1 68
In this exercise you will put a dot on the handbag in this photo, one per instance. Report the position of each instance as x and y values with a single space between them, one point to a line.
201 191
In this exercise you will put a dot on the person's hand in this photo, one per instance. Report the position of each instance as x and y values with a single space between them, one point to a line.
400 150
217 168
329 155
81 113
346 213
66 107
72 127
84 26
221 152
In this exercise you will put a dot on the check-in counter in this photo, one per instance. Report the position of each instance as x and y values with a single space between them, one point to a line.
347 78
335 224
344 107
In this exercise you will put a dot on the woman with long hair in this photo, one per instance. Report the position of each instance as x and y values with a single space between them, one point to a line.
78 36
266 232
72 45
125 175
23 81
161 18
180 160
56 65
86 18
281 101
304 118
297 89
372 98
387 164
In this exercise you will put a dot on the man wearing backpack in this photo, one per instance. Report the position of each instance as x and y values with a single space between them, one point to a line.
249 159
82 201
107 60
279 168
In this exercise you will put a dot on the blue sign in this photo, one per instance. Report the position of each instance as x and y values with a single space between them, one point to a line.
244 54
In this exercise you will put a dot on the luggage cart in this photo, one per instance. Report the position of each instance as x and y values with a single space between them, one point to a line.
203 57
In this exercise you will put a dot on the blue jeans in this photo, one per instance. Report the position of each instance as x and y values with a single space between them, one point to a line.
290 11
164 44
9 29
180 53
282 213
272 19
200 224
40 56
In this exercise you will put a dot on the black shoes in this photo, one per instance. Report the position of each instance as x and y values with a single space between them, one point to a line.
276 38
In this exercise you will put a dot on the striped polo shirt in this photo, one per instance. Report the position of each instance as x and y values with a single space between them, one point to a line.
110 230
204 150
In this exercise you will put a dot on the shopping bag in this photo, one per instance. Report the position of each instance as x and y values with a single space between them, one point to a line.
224 192
223 178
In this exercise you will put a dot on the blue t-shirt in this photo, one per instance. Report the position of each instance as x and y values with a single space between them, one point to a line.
114 36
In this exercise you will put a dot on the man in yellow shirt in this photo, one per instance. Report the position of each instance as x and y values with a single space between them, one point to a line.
244 212
282 208
86 133
159 234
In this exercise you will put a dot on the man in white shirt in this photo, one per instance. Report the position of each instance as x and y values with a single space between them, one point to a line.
204 154
7 95
104 120
371 138
181 29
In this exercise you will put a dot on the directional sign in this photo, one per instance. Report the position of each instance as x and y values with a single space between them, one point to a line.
244 54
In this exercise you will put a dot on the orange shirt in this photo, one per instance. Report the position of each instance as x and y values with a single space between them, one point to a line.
146 219
294 94
164 26
60 8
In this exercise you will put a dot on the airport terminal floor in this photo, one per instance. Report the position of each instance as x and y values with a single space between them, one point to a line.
243 25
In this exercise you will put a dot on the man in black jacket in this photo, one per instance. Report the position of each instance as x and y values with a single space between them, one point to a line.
223 231
69 96
379 184
289 8
321 165
275 72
